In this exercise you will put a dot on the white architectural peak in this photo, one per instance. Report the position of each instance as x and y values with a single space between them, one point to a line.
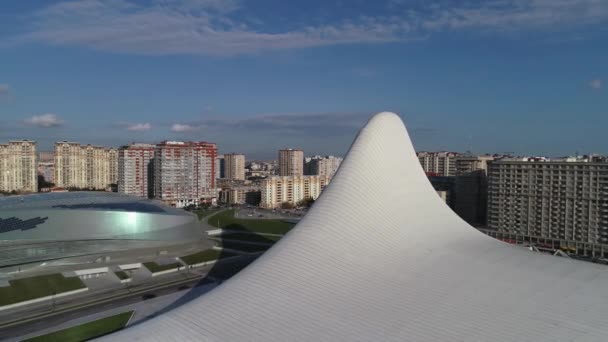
380 257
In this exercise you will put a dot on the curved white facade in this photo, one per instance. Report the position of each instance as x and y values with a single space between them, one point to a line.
380 257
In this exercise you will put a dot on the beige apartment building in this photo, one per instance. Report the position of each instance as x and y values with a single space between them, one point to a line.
134 170
84 166
18 166
234 166
291 162
438 163
291 189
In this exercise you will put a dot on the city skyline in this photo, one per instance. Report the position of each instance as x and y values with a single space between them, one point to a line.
524 77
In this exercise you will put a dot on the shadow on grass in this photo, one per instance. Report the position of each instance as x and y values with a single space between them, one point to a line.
227 265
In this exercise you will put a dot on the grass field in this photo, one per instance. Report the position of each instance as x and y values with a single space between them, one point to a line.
243 246
36 287
251 237
122 275
86 331
225 219
154 267
204 212
204 256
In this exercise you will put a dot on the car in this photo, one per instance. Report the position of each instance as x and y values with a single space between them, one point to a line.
250 215
260 215
148 296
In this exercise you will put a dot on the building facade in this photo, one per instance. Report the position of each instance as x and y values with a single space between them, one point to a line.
135 173
438 163
322 166
241 195
234 165
565 202
85 166
277 190
470 196
184 172
18 166
291 162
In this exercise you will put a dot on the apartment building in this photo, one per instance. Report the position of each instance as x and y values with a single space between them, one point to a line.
84 166
241 195
291 162
184 172
234 166
18 166
438 163
562 202
135 173
322 166
277 190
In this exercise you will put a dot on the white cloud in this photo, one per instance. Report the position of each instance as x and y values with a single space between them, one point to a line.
596 84
139 127
180 128
218 27
44 120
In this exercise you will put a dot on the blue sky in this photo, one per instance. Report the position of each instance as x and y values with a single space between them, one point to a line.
527 77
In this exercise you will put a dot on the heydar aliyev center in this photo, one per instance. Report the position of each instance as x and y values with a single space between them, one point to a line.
380 257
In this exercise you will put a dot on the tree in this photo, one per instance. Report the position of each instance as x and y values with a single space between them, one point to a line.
306 202
286 205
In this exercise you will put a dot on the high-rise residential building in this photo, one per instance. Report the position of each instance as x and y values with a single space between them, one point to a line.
234 166
470 195
291 162
277 190
557 202
438 163
220 167
322 166
184 172
84 166
18 166
135 170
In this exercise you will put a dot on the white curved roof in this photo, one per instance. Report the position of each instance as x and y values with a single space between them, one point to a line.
380 257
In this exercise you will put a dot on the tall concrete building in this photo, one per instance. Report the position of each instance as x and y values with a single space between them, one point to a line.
184 172
84 166
135 170
220 167
322 166
470 195
277 190
291 162
18 166
438 163
234 166
560 203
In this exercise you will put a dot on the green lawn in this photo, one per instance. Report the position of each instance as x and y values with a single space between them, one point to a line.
251 237
204 212
225 219
154 267
122 275
87 331
243 246
35 287
204 256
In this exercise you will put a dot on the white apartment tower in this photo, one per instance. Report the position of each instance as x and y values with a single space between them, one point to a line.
134 169
234 166
18 166
291 162
184 172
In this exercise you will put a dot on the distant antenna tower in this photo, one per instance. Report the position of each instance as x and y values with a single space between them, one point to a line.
470 151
